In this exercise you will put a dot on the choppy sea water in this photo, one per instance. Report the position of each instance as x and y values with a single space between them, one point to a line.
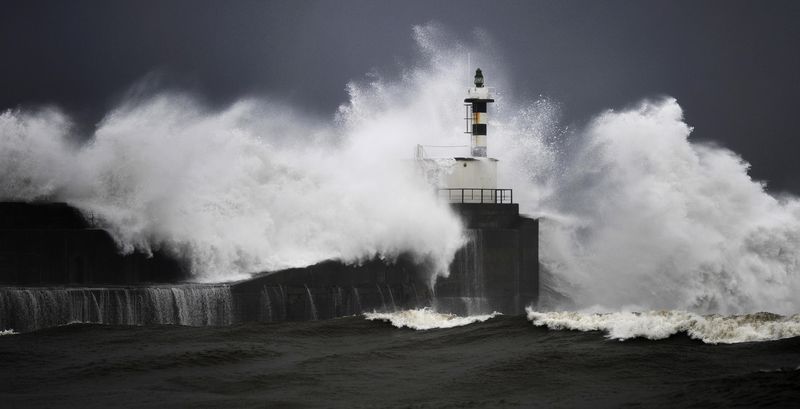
380 361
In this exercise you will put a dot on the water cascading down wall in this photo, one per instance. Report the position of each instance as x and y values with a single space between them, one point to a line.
56 269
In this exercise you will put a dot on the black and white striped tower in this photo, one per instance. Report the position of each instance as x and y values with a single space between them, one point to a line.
478 98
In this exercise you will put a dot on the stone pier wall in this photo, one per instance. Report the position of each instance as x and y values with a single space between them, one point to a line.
50 255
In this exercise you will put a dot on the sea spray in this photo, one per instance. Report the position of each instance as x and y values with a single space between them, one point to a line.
257 185
228 192
637 214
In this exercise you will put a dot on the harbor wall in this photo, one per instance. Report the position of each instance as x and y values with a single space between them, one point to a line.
52 243
56 268
498 268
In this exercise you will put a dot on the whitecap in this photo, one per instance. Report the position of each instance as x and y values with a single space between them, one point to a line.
711 329
426 318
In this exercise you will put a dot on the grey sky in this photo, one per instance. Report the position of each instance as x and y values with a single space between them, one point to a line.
734 66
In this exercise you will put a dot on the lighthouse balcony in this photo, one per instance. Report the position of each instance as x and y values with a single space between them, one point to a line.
477 195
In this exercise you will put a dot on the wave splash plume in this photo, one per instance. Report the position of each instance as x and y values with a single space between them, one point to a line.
255 186
638 213
711 329
426 318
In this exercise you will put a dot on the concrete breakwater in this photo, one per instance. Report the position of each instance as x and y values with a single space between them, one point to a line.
57 269
31 308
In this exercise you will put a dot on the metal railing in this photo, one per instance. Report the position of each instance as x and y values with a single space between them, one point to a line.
468 118
477 195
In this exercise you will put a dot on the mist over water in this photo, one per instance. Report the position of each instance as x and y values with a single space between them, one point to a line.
635 216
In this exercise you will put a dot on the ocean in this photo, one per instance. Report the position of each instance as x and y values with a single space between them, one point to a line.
381 361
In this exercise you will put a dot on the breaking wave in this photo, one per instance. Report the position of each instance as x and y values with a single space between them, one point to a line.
426 318
711 329
7 332
636 214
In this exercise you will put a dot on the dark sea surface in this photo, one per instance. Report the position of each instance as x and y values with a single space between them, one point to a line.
504 362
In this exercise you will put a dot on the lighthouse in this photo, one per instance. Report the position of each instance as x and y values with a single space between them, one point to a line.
477 102
498 269
471 178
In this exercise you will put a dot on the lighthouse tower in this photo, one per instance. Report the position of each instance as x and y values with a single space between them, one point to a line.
499 269
473 178
478 99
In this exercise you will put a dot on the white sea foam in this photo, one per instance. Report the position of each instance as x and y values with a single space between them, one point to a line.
712 329
426 318
7 332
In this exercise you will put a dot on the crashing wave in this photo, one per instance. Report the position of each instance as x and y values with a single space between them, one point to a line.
7 332
711 329
426 318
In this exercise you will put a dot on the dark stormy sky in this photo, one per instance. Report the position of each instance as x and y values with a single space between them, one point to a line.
734 66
